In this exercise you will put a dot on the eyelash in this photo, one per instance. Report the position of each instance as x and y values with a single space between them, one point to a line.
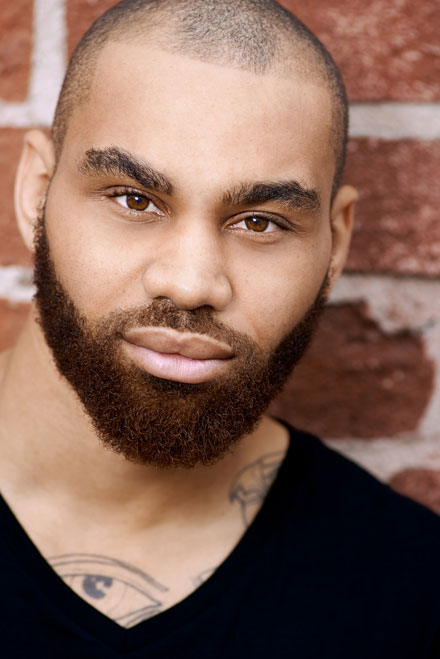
129 192
278 221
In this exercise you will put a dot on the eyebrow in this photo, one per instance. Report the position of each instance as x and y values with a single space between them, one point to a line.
113 160
291 193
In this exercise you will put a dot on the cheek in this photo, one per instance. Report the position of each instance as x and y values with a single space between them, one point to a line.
94 266
275 296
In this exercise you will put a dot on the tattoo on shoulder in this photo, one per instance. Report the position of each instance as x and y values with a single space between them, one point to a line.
119 590
252 483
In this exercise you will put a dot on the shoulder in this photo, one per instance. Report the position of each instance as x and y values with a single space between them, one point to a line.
344 498
349 552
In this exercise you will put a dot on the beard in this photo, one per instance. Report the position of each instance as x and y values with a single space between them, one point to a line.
147 419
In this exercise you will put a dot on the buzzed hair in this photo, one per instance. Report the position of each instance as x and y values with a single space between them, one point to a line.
253 35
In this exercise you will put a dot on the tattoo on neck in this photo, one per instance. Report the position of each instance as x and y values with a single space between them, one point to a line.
203 576
129 595
252 484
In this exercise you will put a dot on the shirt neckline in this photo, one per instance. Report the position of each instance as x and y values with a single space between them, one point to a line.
96 624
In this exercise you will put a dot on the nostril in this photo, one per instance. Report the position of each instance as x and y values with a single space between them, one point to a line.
191 286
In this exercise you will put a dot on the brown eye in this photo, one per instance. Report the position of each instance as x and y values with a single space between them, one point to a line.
258 224
137 202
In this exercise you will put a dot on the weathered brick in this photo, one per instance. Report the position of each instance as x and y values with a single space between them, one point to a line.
387 49
355 381
12 250
80 15
423 485
15 48
397 227
12 317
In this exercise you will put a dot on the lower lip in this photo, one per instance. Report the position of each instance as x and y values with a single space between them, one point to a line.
173 366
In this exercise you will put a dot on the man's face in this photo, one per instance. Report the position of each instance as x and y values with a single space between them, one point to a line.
199 189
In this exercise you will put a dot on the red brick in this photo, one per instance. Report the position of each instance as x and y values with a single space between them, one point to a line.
387 49
355 381
12 317
423 485
15 48
12 250
397 227
80 15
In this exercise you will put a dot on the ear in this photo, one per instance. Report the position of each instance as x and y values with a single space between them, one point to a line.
342 217
35 169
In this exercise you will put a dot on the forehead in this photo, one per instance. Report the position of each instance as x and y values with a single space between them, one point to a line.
203 121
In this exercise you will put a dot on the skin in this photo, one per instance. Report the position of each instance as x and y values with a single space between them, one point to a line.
208 128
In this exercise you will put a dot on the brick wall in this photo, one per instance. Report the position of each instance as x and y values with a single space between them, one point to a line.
369 385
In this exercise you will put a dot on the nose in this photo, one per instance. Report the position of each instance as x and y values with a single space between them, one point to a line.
188 267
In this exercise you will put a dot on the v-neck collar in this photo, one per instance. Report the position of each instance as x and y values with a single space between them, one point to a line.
96 624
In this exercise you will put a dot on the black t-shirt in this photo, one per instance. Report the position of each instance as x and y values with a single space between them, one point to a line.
335 565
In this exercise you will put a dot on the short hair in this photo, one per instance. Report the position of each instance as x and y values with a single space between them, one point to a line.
254 35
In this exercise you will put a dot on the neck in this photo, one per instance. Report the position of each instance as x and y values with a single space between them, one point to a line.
50 450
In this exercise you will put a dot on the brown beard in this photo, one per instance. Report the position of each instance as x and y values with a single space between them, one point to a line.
151 420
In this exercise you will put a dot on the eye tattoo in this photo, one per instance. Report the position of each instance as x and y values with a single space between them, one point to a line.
121 591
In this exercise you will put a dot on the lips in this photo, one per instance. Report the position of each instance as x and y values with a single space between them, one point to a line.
178 356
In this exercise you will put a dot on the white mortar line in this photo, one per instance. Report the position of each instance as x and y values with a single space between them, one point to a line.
395 303
388 456
49 57
398 304
16 283
430 422
47 71
393 121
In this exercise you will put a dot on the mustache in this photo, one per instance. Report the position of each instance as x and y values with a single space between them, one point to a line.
164 313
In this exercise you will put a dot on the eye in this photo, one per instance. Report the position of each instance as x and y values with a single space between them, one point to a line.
137 202
257 224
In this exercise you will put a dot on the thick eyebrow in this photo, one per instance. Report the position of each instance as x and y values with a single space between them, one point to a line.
113 160
291 193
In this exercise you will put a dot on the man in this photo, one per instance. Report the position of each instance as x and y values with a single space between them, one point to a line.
188 223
